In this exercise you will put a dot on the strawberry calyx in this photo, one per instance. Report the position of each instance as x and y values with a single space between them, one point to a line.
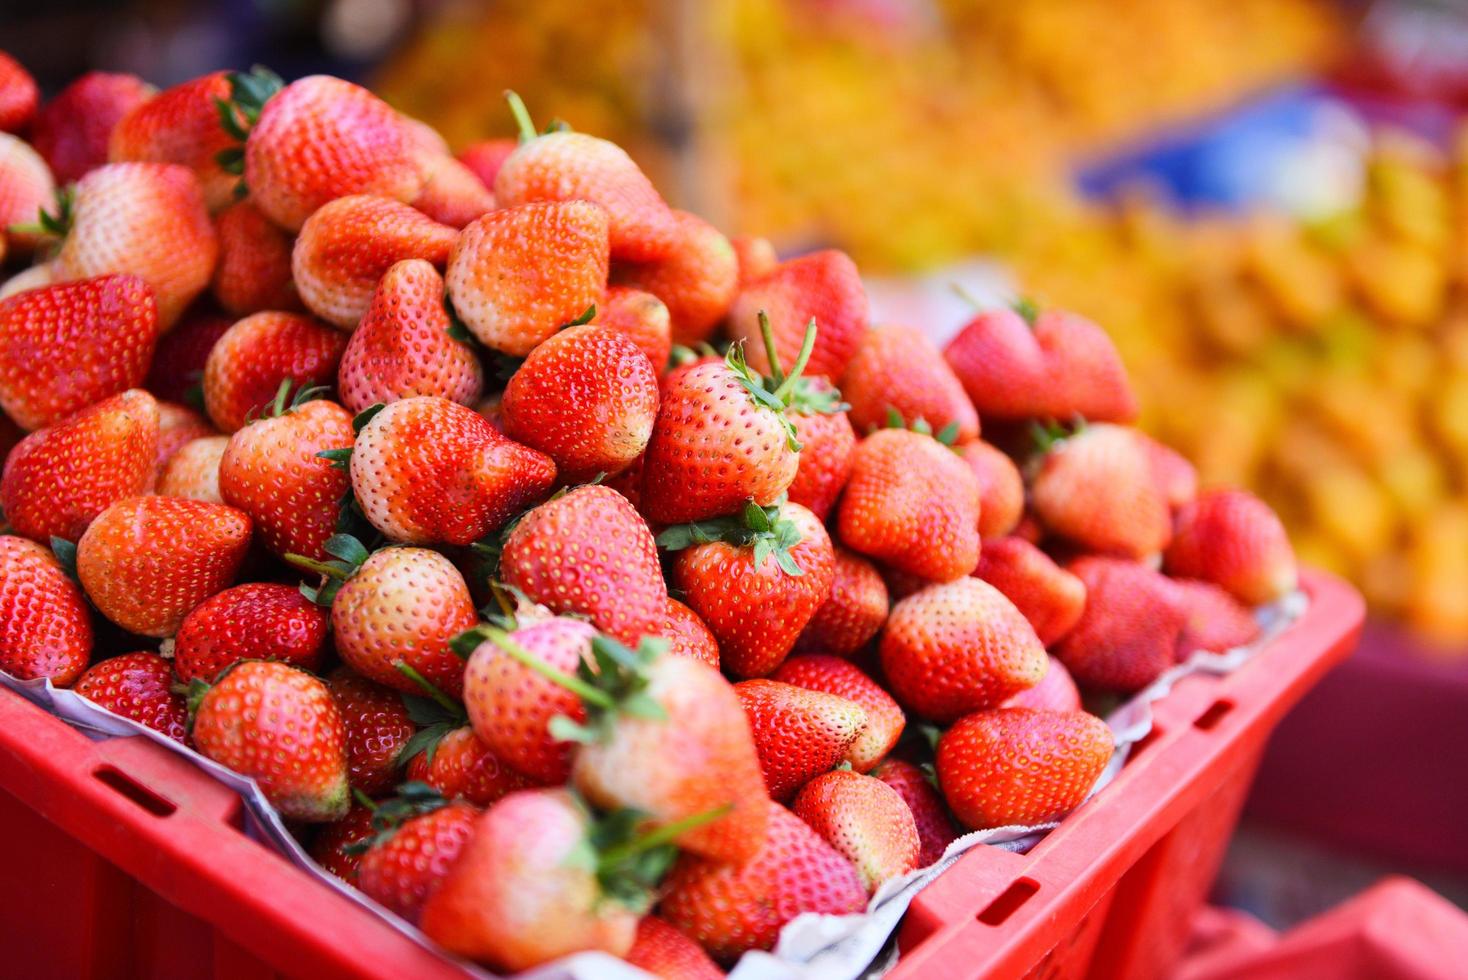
349 553
284 403
525 124
433 711
1051 433
947 435
248 93
1027 308
680 355
53 224
777 391
413 799
765 529
629 863
65 552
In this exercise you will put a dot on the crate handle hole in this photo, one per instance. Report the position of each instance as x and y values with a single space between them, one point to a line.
1009 902
1210 718
126 786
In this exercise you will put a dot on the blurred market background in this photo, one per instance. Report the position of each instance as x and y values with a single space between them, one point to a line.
1265 202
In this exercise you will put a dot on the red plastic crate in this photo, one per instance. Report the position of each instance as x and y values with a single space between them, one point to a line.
122 860
1111 892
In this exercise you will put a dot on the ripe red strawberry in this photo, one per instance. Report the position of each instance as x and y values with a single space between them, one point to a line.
72 130
865 820
731 908
1019 766
827 443
588 552
565 166
177 371
800 733
668 954
1019 365
181 125
377 727
138 686
1215 620
279 726
519 274
628 483
247 365
959 647
193 471
1055 692
178 425
757 583
640 317
1001 489
1232 539
45 627
687 635
407 863
26 190
254 621
885 720
1095 488
18 95
485 157
529 888
935 828
912 503
67 346
697 280
337 846
1128 633
453 194
274 471
461 767
59 478
1175 476
402 347
756 257
345 247
852 614
254 269
427 470
896 373
145 562
822 286
147 219
587 398
321 138
1046 594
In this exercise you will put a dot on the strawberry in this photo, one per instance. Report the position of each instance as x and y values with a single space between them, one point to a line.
180 125
756 257
485 157
247 365
564 166
687 635
1055 692
827 443
865 820
1001 489
18 95
1215 620
317 139
59 478
536 882
668 954
254 621
640 317
453 194
628 483
1019 766
254 269
697 279
853 612
147 219
587 398
959 647
26 190
1174 475
426 469
731 908
377 725
1051 598
588 552
176 373
1232 539
896 377
145 562
935 828
1129 631
912 503
345 247
800 733
72 130
407 862
338 846
1095 488
279 726
139 687
1020 364
178 425
885 720
67 346
45 627
755 579
461 767
824 287
517 275
275 471
193 471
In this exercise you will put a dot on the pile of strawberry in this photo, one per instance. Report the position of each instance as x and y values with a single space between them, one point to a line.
375 474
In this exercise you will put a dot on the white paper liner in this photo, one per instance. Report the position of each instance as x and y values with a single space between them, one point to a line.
828 947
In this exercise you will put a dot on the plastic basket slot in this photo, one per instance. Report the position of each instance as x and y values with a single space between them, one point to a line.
124 785
1146 741
1009 901
1213 714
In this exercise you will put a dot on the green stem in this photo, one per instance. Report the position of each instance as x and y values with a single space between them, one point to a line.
962 293
806 347
522 116
665 834
312 565
575 685
364 799
767 333
281 393
428 688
